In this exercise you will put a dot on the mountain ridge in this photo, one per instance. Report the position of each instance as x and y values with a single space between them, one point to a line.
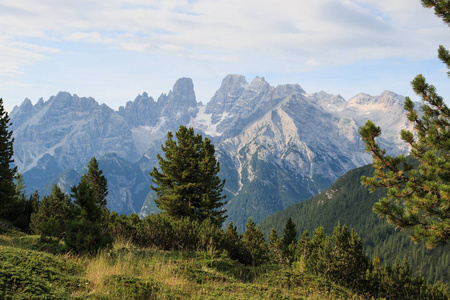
300 142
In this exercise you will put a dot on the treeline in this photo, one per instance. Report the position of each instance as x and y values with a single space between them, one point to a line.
85 225
338 257
80 220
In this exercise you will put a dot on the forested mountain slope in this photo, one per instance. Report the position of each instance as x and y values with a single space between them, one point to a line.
349 202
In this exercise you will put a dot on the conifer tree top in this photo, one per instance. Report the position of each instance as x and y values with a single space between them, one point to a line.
188 184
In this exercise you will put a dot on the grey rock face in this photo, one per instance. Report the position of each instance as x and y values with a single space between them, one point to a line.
225 97
143 111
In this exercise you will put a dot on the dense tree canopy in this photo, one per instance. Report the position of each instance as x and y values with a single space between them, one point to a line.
188 184
417 197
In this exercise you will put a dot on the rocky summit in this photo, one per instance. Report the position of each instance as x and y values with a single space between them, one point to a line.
276 145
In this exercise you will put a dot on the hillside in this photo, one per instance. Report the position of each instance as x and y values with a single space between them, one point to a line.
350 203
31 271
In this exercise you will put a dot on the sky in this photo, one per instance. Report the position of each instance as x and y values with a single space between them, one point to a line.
114 50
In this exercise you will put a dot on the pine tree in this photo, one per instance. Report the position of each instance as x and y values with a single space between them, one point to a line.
97 182
233 241
22 208
418 197
275 247
7 187
289 240
188 185
254 243
349 262
441 8
50 219
290 233
87 231
303 246
319 258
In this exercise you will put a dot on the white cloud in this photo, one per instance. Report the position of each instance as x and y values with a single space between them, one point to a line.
89 37
258 36
354 29
35 48
14 58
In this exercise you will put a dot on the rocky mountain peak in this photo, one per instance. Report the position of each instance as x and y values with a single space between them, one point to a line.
233 82
183 92
329 102
142 111
230 90
259 84
65 101
391 98
287 89
40 103
386 99
179 101
26 106
22 112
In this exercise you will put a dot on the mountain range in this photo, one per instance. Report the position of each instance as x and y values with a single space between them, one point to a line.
276 145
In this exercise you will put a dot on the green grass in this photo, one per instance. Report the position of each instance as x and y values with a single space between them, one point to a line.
30 269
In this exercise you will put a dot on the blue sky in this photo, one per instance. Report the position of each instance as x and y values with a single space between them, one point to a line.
115 50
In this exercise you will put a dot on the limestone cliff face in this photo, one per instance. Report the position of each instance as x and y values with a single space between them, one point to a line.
277 145
303 143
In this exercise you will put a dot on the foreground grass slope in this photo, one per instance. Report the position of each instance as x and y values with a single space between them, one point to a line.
30 269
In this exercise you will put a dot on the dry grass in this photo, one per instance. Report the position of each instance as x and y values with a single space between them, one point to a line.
127 272
122 260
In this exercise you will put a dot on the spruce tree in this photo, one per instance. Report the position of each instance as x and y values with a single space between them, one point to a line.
303 246
188 184
254 243
290 233
97 182
319 256
349 262
87 231
7 172
50 219
289 240
275 247
418 197
22 207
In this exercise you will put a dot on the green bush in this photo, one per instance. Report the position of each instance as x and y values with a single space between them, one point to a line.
27 274
128 287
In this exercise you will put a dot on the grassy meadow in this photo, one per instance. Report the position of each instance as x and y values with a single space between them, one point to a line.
33 269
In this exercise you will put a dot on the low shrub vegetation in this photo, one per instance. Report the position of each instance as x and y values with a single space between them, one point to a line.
199 265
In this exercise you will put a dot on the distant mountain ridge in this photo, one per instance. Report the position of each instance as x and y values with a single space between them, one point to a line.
276 145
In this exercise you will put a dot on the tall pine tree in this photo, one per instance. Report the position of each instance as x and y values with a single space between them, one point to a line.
418 197
97 182
188 184
289 240
7 186
87 231
254 243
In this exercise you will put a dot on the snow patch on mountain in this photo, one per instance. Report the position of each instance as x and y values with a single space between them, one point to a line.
143 136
